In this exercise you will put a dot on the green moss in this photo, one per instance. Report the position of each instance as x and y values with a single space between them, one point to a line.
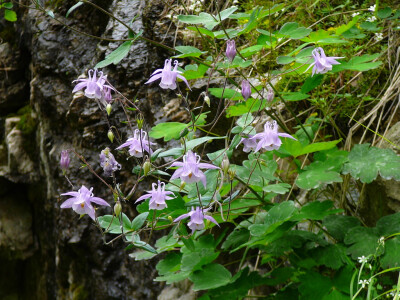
27 124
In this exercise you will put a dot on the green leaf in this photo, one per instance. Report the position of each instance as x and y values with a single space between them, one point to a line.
193 261
194 143
284 60
225 93
365 163
194 71
359 63
279 188
338 225
311 83
212 276
384 13
8 5
141 255
203 18
343 28
236 238
316 211
294 96
251 105
293 30
252 23
73 8
333 256
10 15
167 130
295 148
314 285
202 31
362 241
113 223
138 222
174 277
324 170
226 13
370 26
188 51
391 258
388 225
249 51
116 56
170 264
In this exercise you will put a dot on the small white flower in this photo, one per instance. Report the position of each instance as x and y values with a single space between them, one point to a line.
364 282
362 259
355 14
372 8
382 240
378 37
371 19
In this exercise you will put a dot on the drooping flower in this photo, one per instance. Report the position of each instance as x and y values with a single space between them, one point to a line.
249 143
81 201
64 161
246 89
137 144
270 94
189 170
94 85
269 139
108 162
230 49
197 217
157 196
322 63
168 75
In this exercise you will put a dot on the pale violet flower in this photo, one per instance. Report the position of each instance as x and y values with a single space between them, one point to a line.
64 161
269 139
270 94
108 162
197 217
246 89
230 49
168 75
81 201
137 144
189 170
371 19
322 63
94 85
362 259
372 8
249 143
157 196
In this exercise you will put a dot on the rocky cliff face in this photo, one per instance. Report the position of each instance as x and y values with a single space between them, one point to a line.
46 252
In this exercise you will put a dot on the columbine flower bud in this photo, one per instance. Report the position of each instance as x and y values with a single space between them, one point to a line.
207 100
117 208
110 135
146 167
246 89
170 219
64 161
270 95
232 174
139 122
230 50
182 186
225 164
108 109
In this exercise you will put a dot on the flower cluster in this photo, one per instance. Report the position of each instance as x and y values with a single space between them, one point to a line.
108 162
267 140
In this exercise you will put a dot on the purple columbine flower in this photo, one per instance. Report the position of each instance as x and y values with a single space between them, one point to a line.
168 75
157 196
94 85
108 162
269 139
189 170
249 143
246 89
137 144
81 201
64 161
230 50
197 217
322 63
270 94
